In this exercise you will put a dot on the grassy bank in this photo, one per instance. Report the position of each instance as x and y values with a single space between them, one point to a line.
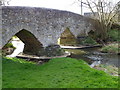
114 39
111 48
57 73
110 69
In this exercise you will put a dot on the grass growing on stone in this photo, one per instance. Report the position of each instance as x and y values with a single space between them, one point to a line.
57 73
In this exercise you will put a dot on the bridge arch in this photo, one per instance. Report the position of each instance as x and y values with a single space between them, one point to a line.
32 44
67 38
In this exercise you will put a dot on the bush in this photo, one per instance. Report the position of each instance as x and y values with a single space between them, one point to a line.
8 49
88 41
9 45
114 35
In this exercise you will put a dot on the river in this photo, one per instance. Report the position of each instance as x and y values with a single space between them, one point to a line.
93 55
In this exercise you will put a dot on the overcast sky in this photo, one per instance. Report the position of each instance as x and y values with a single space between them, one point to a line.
68 5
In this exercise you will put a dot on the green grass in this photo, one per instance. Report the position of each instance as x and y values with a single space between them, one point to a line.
18 60
0 73
57 73
9 45
112 70
111 48
88 41
114 35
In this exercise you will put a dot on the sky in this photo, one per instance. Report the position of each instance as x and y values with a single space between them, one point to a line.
68 5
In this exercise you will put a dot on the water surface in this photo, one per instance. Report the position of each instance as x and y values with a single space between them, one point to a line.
94 54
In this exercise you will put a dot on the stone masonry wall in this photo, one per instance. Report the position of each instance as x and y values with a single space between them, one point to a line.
46 25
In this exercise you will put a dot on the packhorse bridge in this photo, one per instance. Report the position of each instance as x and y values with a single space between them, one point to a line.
40 27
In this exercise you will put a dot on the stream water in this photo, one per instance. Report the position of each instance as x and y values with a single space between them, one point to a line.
94 56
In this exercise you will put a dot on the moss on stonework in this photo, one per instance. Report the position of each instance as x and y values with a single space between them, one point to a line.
29 34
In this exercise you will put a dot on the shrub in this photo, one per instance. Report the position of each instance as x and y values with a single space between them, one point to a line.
9 45
113 35
88 41
7 49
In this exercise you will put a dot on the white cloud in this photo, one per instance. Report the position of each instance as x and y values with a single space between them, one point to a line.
56 4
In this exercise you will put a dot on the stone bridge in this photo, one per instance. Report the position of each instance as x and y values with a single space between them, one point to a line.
38 27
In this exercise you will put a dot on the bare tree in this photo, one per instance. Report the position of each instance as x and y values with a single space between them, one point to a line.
104 11
118 4
4 2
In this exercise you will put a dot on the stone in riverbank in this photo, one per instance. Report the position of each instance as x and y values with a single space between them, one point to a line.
53 50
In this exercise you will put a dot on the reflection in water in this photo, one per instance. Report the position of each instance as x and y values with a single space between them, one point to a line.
95 57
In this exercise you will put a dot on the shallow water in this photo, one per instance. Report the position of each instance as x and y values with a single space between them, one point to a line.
93 55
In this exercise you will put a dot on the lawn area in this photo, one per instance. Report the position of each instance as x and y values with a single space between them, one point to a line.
57 73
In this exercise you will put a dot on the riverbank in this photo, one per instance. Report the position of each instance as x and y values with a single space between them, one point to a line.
110 69
57 73
93 56
26 56
113 48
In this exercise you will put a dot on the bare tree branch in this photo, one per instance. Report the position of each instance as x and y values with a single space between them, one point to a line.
104 11
4 2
